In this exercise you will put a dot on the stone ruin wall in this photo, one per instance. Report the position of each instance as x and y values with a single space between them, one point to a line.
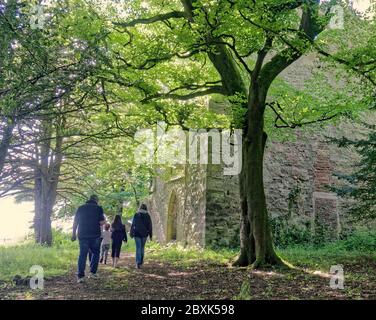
183 199
296 176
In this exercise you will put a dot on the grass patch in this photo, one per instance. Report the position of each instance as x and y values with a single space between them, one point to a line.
358 247
56 260
322 258
17 260
188 256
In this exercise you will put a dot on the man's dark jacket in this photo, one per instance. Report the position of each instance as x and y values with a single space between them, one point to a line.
88 217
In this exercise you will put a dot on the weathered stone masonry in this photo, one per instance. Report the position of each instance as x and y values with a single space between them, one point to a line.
203 205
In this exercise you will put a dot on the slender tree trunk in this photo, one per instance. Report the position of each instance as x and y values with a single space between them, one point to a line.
135 195
120 205
5 142
37 201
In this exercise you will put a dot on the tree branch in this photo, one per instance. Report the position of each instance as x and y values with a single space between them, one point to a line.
158 18
172 95
294 125
285 58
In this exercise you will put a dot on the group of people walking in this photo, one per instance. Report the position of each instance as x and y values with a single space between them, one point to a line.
96 236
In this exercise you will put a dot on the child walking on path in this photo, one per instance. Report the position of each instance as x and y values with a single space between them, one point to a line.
141 229
106 241
119 234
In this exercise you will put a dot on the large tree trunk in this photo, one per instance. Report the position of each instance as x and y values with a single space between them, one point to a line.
45 236
256 239
257 208
47 173
45 197
42 219
43 233
247 243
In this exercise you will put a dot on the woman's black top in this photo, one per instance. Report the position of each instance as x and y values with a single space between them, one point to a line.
119 234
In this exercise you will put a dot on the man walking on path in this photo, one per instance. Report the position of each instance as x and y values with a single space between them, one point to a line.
88 220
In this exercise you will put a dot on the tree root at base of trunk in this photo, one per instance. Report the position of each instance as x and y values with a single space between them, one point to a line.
241 262
276 261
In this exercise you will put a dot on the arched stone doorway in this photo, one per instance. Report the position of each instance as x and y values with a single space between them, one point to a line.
172 219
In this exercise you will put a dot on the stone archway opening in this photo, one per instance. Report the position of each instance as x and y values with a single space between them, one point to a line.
172 219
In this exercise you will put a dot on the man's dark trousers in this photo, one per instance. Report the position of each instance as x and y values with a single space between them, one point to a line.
86 244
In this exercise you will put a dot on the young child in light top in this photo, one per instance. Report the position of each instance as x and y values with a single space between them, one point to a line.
106 241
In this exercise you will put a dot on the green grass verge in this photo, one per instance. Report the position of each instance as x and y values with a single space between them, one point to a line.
357 247
17 260
187 256
322 258
56 260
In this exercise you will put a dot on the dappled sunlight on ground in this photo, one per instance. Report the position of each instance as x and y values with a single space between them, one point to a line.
267 273
201 280
319 273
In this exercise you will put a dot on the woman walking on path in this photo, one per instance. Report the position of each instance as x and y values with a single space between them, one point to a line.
118 235
141 228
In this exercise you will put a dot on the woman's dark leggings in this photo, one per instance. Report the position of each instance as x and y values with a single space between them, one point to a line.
116 248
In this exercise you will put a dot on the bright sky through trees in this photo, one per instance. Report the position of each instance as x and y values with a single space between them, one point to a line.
362 5
15 219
